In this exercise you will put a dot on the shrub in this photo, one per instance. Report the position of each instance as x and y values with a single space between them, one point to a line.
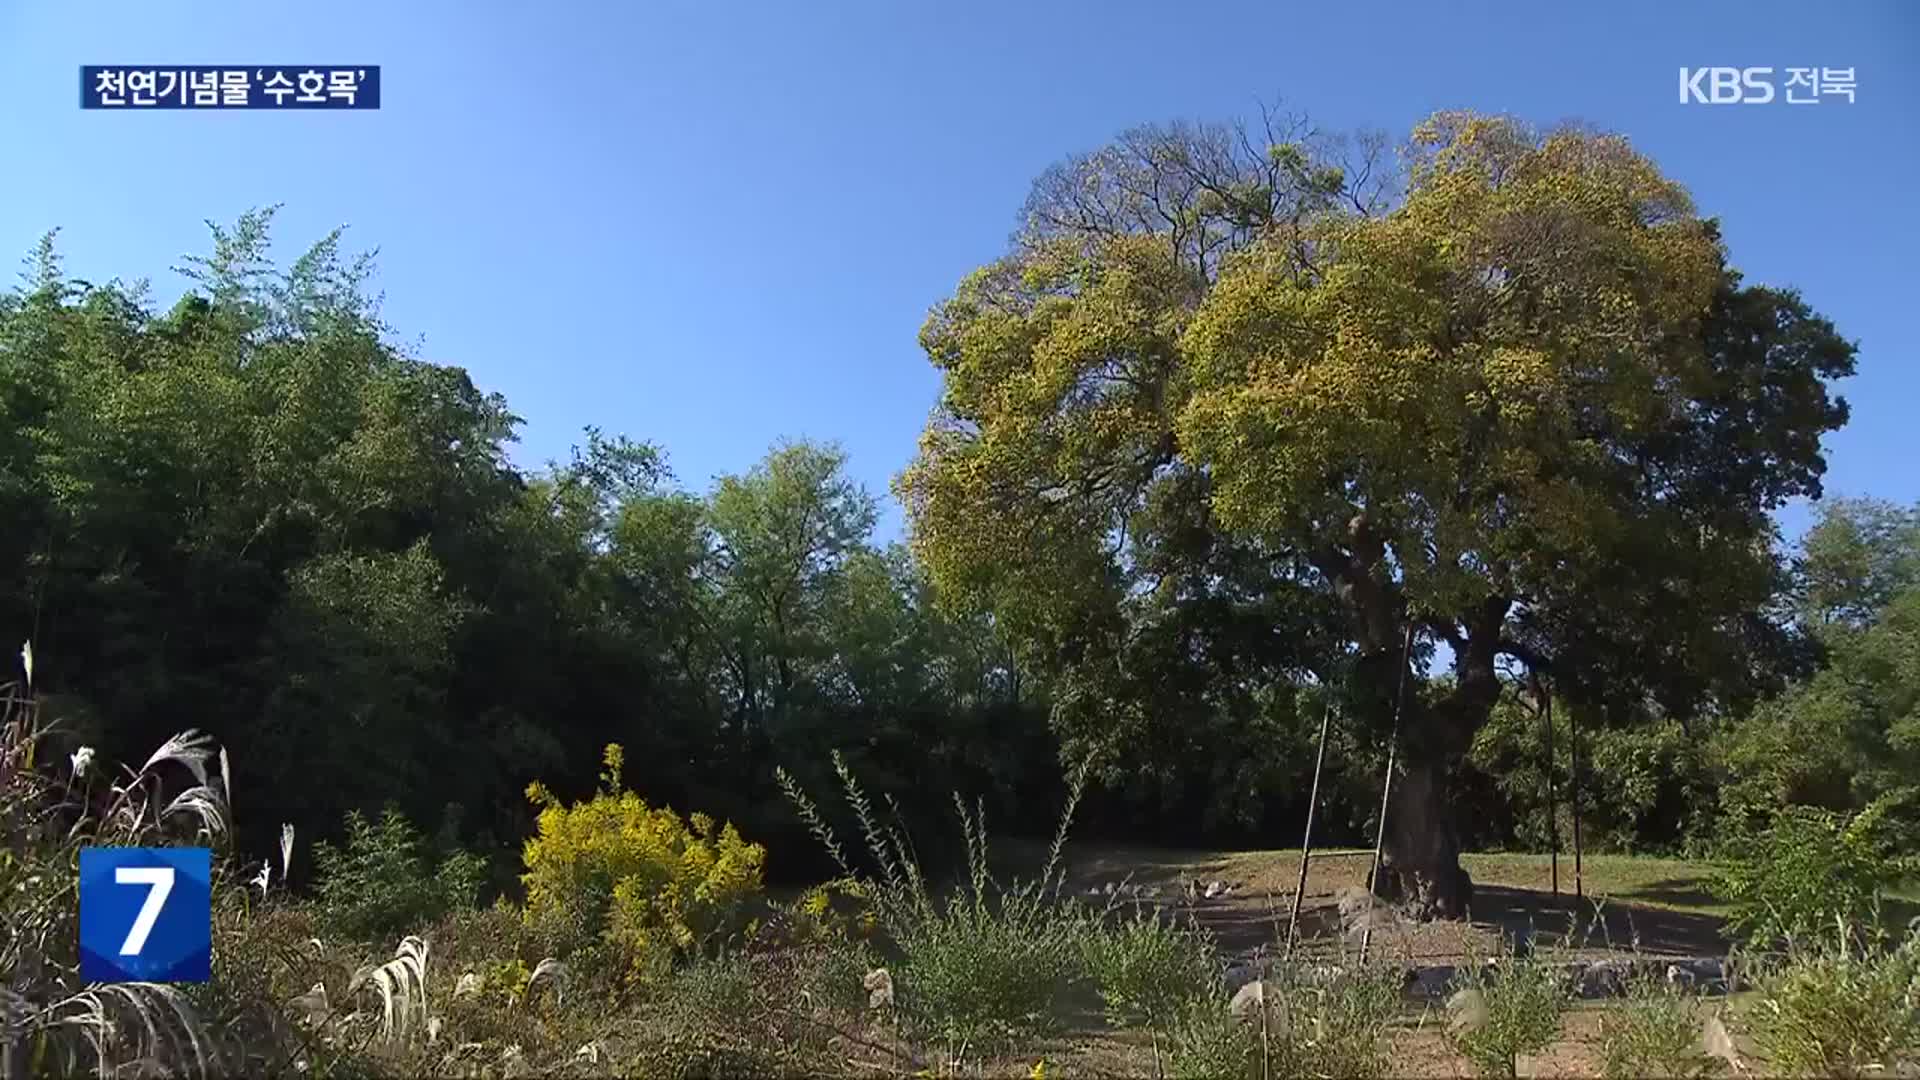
1148 969
986 964
1840 1010
1809 868
738 1015
1303 1024
1340 1022
1500 1015
1207 1042
652 886
381 884
1655 1030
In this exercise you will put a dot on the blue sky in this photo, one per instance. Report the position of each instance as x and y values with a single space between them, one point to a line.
714 224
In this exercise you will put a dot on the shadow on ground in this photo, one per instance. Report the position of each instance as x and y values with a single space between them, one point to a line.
1610 924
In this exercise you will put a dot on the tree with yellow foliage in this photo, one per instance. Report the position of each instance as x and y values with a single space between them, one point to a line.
1508 399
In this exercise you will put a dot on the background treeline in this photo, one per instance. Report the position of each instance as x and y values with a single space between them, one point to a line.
254 514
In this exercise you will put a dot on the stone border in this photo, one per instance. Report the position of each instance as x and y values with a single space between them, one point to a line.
1592 979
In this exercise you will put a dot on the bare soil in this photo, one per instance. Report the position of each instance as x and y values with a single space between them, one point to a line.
1654 907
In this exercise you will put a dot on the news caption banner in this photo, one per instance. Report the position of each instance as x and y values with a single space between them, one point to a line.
146 914
229 86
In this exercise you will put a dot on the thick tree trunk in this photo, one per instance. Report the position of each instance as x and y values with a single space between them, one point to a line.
1420 868
1420 850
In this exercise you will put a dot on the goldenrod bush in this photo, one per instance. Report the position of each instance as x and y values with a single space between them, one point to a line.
651 885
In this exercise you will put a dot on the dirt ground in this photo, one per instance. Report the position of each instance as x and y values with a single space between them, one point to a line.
1654 907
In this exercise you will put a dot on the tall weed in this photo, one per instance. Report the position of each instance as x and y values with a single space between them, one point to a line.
1296 1022
1499 1014
1655 1030
980 965
1840 1008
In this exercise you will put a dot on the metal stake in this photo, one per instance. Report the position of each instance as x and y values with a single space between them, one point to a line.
1306 841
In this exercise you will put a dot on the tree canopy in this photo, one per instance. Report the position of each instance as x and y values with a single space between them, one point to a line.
1522 408
254 514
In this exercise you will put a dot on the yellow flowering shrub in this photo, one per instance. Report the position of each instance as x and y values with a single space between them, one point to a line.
840 910
650 884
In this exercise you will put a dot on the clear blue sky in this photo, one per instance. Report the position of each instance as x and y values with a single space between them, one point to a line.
713 224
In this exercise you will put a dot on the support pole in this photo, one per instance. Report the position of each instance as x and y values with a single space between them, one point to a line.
1553 803
1386 791
1306 841
1573 733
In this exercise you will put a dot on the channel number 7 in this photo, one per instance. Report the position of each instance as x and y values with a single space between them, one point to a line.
159 882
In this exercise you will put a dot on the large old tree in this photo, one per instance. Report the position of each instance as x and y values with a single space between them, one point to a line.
1505 399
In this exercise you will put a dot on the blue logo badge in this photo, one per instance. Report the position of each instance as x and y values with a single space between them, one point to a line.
146 914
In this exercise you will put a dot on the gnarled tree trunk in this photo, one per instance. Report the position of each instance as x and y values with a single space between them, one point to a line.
1420 869
1420 865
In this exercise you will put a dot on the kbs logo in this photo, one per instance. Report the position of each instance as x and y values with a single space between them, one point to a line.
1726 85
1755 85
146 914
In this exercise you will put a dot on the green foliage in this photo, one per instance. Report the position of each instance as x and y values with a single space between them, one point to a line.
382 882
1836 1009
1506 1012
1173 413
1148 969
735 1015
1336 1024
1645 781
1859 556
387 609
985 963
1811 868
1850 734
1303 1024
1208 1042
1655 1030
655 887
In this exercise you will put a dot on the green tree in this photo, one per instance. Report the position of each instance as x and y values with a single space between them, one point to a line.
1525 411
1858 556
255 514
782 536
1850 734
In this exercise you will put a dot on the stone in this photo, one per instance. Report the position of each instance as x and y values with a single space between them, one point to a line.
1352 900
1248 998
1251 1001
1716 1041
312 1006
1381 920
879 986
1466 1011
1604 978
